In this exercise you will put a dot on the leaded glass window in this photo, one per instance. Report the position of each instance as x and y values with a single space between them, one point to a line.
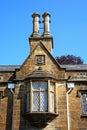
84 103
39 96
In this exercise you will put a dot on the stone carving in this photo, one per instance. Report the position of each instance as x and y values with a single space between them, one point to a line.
40 60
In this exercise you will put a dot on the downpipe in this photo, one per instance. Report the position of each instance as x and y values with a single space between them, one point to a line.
68 116
70 88
13 94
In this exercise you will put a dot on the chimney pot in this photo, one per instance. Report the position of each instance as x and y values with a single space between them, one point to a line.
36 22
46 22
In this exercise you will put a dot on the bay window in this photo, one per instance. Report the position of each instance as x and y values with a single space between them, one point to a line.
40 96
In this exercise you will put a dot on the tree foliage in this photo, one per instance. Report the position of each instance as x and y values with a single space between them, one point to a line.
69 59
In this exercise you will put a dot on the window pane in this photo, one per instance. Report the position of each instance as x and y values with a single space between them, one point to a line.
43 101
51 102
28 102
84 103
43 85
36 85
36 101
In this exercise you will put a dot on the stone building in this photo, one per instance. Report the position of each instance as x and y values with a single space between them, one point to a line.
41 94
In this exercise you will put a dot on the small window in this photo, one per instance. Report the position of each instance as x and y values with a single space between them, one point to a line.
40 59
84 103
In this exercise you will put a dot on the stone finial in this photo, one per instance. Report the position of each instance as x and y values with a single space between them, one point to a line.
36 22
46 22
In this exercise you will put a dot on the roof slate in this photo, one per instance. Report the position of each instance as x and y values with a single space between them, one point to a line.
74 67
41 73
67 67
9 67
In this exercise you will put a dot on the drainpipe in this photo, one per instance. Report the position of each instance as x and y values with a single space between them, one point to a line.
13 109
70 88
13 95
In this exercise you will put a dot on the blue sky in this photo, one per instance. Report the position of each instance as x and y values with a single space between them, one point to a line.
68 27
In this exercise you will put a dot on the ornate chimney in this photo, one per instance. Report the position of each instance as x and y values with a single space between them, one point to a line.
36 22
46 22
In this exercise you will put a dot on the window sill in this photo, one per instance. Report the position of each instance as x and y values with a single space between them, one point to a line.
37 112
48 115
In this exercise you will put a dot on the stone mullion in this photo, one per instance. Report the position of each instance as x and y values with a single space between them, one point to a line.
31 96
55 98
48 95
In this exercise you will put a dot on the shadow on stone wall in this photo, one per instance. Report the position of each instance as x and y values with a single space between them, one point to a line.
8 94
20 103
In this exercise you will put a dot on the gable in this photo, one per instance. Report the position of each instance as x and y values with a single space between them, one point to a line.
40 56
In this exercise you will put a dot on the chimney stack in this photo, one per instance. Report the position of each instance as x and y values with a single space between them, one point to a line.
46 22
36 22
45 38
